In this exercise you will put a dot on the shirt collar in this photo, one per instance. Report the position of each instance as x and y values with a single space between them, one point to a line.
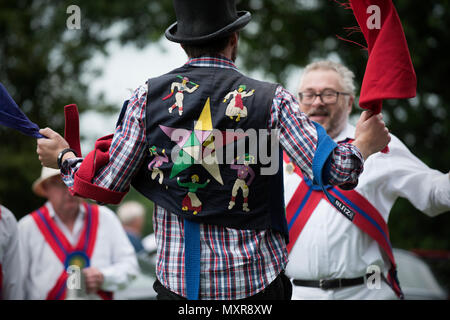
218 61
347 132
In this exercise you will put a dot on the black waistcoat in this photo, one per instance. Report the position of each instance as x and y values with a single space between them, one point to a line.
186 181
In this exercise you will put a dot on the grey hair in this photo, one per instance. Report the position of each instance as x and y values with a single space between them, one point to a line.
129 211
346 74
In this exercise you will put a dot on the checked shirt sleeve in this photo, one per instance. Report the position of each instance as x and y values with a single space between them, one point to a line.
127 149
298 137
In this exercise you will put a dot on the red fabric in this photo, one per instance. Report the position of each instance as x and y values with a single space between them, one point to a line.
238 102
52 233
389 73
94 161
188 203
362 223
50 230
106 295
168 96
58 292
72 129
307 210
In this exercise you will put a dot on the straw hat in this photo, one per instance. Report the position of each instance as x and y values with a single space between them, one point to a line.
46 174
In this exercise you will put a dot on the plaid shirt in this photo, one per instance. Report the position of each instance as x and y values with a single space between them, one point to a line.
235 264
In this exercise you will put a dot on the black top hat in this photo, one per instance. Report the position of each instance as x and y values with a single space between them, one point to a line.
199 21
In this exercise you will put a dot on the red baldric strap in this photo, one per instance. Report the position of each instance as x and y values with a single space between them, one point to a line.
62 247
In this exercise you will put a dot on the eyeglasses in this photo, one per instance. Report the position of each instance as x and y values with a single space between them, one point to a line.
326 96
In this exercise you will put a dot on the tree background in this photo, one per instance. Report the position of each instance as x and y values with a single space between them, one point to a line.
44 66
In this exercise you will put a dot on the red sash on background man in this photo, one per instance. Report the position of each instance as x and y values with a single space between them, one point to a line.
64 250
367 218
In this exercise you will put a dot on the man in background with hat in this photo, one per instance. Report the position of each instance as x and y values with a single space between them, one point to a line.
220 252
69 234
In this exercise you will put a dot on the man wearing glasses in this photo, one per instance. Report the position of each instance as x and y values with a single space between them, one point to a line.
329 255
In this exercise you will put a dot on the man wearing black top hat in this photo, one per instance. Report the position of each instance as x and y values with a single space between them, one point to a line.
207 249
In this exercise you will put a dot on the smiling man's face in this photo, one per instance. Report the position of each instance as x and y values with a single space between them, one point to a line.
333 117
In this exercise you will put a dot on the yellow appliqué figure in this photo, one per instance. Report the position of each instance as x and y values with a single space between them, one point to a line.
236 105
179 95
191 202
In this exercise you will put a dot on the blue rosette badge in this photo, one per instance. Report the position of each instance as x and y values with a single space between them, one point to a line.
77 258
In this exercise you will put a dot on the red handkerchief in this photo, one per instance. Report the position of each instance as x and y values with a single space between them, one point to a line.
389 73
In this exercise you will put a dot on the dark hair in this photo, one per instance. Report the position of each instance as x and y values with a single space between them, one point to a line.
212 47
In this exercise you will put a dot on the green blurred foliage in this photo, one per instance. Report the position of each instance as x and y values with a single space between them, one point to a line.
42 64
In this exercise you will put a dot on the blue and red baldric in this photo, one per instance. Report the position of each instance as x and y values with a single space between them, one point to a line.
350 203
64 250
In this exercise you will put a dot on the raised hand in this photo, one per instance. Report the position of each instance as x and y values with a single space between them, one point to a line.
48 149
371 134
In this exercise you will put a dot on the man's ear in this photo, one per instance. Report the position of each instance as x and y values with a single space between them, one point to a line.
234 38
351 101
44 187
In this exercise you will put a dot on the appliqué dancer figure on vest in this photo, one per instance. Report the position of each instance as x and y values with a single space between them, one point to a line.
243 171
236 106
179 96
156 163
191 202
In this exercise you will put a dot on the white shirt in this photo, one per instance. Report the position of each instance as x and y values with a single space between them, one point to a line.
10 257
330 246
113 253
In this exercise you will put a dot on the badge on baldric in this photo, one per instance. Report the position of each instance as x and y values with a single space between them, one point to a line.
290 168
77 258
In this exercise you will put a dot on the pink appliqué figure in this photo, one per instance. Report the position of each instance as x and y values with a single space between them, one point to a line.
157 161
243 171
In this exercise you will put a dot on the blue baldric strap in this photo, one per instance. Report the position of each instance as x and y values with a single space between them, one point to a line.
321 168
192 258
325 146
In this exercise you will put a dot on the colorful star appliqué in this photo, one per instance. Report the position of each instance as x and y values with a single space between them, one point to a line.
198 146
